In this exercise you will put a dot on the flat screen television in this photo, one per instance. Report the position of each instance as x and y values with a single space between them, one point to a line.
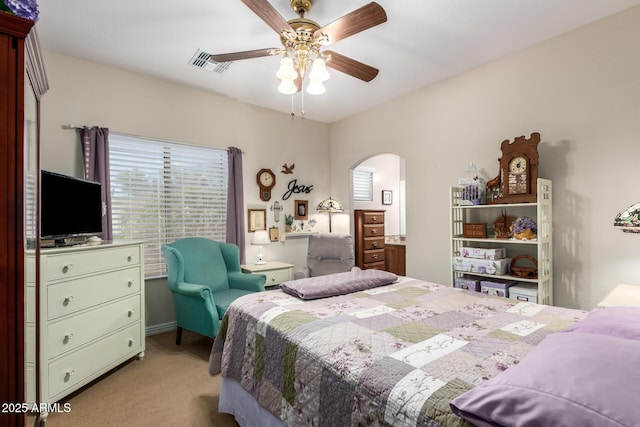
70 207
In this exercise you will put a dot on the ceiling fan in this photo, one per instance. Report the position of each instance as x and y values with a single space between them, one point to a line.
302 40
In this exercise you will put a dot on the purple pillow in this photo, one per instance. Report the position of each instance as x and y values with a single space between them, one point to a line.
567 380
622 322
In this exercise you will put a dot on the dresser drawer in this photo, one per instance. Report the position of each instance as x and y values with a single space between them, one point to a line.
275 277
73 295
84 262
373 230
374 266
374 256
74 331
100 356
373 217
371 243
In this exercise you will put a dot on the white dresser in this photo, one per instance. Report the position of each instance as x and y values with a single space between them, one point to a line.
91 316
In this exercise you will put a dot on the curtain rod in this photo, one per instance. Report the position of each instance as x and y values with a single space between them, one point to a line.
69 126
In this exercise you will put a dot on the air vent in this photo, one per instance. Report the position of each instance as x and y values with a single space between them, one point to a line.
202 60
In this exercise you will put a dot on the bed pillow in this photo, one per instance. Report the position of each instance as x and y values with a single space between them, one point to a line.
568 380
622 322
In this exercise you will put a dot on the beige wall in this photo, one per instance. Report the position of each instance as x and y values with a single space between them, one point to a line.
581 91
86 93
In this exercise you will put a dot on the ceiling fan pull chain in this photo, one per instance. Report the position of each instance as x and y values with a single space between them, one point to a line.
302 95
292 113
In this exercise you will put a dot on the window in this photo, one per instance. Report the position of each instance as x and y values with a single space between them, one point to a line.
163 191
363 184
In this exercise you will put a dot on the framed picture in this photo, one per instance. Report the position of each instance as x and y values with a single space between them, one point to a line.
387 197
257 219
302 209
273 234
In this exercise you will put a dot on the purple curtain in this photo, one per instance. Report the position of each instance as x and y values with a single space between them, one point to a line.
235 202
95 149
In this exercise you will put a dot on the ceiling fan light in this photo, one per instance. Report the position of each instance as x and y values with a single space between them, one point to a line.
319 71
286 70
316 87
287 87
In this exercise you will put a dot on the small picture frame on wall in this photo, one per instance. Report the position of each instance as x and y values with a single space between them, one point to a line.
273 234
257 219
387 197
302 209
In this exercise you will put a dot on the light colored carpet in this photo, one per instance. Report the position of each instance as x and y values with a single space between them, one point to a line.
171 386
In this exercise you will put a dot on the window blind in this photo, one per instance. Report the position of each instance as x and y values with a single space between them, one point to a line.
363 184
163 191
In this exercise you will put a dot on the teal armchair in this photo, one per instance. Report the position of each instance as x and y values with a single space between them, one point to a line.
205 277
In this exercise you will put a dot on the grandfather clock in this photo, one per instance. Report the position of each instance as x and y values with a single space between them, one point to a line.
21 74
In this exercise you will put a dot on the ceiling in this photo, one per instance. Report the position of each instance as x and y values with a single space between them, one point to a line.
423 41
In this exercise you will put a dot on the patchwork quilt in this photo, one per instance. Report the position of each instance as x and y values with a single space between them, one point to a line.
393 355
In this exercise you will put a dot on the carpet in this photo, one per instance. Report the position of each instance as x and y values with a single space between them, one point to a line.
171 386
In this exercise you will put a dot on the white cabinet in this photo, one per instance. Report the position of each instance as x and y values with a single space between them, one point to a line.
276 272
541 248
91 315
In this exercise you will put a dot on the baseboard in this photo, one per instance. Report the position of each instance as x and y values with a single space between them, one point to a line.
161 328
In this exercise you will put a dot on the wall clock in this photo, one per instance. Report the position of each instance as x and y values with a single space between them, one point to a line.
518 170
266 181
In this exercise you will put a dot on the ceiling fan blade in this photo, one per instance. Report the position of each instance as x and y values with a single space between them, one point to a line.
269 14
351 66
352 23
236 56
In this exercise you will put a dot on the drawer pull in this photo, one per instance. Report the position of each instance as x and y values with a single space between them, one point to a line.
69 374
67 267
68 300
374 218
273 279
375 244
374 231
375 257
131 341
130 283
130 312
130 258
67 337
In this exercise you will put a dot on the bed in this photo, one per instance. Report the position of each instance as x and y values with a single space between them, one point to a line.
414 353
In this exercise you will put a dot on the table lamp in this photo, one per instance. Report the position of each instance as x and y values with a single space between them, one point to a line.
260 238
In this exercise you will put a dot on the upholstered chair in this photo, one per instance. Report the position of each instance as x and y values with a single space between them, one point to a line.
205 277
328 253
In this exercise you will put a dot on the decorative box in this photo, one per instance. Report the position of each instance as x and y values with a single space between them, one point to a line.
468 283
483 253
496 267
496 288
524 292
474 230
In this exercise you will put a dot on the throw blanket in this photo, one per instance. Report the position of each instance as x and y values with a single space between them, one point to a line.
337 284
388 356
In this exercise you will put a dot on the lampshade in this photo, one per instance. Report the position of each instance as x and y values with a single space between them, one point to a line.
260 237
316 87
629 219
330 205
319 71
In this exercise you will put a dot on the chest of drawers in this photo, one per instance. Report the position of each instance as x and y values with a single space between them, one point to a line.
91 316
369 238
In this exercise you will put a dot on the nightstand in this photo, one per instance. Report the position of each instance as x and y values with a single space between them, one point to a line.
276 271
622 295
